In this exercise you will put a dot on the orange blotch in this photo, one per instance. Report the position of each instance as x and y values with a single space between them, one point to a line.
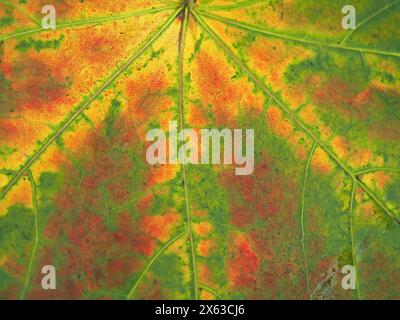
6 69
362 97
308 115
381 179
361 158
321 162
295 95
197 116
206 295
367 211
205 274
145 203
159 226
8 128
146 95
162 173
277 123
272 57
241 216
340 145
242 269
200 213
205 247
202 228
284 128
297 141
15 268
37 87
19 194
345 98
274 116
21 135
218 88
101 47
335 93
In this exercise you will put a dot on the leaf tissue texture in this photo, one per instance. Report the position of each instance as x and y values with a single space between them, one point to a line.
77 193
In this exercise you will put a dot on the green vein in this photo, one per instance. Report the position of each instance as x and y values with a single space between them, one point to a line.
86 104
365 64
105 196
7 172
263 118
182 36
99 20
36 239
295 39
377 200
233 6
293 116
151 261
83 173
303 235
352 236
211 290
366 20
226 226
371 170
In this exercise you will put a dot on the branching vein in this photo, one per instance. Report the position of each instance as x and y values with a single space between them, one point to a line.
247 27
86 104
151 262
94 21
182 124
293 116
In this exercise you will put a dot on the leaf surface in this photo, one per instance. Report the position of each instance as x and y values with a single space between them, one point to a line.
77 192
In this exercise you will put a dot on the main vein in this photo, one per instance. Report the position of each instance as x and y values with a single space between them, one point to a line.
295 39
293 116
36 235
303 198
182 37
93 21
353 251
86 104
234 6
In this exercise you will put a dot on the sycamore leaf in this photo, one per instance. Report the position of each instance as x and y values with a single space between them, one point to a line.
77 193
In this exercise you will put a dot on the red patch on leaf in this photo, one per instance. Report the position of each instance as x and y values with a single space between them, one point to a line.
242 269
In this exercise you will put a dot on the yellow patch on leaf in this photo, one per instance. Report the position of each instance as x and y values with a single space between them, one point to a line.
340 146
205 247
206 295
19 194
272 57
202 228
321 162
